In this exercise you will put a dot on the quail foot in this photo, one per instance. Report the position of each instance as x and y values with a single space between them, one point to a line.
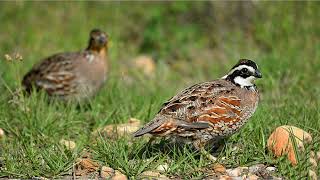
209 111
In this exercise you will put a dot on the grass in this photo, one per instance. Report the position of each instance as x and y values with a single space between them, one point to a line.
191 42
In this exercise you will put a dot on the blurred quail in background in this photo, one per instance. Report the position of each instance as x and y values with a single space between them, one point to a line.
72 75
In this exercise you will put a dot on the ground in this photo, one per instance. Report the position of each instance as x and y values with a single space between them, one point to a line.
190 42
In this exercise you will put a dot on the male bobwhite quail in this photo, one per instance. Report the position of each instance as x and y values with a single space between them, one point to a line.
209 111
72 75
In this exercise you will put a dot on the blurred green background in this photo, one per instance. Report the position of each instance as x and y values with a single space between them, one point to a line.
189 41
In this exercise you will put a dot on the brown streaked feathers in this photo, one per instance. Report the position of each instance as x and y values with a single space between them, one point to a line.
74 75
205 111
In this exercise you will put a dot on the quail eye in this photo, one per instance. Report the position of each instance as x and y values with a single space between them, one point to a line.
245 70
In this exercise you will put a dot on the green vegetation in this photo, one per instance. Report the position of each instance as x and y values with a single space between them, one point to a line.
191 42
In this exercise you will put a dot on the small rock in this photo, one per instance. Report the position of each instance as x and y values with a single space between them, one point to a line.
279 142
313 163
271 169
225 177
1 133
85 166
312 154
234 172
119 176
256 168
253 177
150 174
107 172
312 175
145 64
70 145
318 156
218 168
163 167
120 129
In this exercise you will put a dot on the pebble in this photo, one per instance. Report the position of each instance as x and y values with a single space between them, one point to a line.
70 145
271 169
234 172
225 177
150 174
312 175
318 156
1 133
253 177
107 172
119 176
163 167
313 163
256 168
312 154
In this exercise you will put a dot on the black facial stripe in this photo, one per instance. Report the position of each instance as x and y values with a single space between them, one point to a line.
238 73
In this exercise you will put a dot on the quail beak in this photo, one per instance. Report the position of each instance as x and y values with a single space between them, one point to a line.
102 40
258 74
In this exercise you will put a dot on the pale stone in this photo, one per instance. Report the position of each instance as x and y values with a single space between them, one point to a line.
234 172
107 172
163 167
271 169
70 145
1 133
119 176
312 175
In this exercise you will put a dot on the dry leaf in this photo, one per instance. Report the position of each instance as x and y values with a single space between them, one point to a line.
85 166
280 141
218 168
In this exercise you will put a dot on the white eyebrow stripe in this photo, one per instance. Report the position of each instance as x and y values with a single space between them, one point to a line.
241 67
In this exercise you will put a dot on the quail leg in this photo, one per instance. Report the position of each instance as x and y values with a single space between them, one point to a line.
199 145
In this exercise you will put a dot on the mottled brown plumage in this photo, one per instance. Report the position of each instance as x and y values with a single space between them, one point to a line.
209 111
74 75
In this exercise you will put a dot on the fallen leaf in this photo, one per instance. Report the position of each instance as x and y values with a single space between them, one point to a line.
84 166
280 143
218 168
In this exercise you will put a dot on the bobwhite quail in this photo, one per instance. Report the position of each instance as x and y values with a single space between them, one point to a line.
72 75
210 111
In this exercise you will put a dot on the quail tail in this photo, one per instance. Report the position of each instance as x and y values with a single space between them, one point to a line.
153 124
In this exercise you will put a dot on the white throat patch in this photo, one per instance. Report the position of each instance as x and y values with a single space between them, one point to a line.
244 81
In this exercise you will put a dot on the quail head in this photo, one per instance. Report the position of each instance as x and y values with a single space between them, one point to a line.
209 111
72 75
